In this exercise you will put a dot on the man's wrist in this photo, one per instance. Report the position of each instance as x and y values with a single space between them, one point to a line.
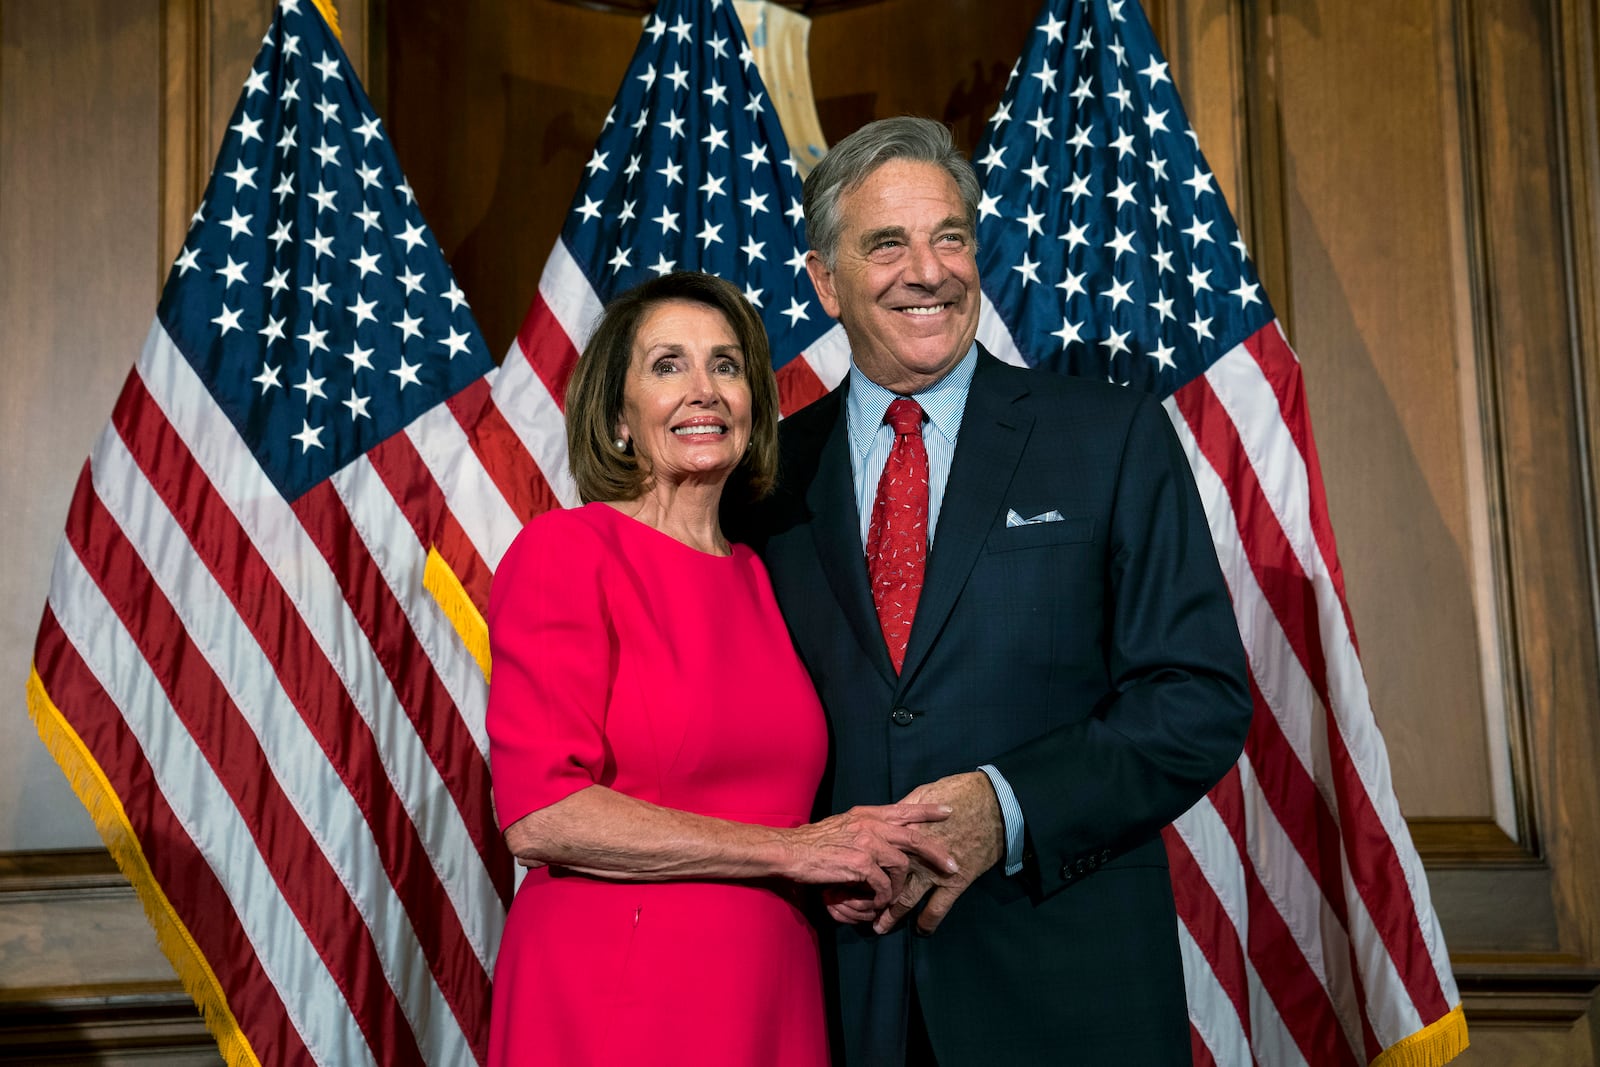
1010 816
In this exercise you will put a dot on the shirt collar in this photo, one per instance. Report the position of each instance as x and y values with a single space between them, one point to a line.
943 402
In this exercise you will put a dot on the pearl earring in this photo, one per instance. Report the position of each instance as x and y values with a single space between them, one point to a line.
622 446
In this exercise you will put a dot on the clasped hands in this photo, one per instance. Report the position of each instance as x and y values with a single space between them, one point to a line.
938 857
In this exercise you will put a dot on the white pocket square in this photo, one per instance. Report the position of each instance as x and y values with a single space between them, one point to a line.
1013 519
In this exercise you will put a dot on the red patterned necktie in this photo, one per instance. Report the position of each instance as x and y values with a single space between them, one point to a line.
897 539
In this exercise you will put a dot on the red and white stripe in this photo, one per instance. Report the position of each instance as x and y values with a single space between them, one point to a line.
311 723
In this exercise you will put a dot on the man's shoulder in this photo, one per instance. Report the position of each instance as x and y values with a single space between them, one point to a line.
1046 394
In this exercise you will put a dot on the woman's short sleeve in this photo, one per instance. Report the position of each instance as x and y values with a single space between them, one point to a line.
553 654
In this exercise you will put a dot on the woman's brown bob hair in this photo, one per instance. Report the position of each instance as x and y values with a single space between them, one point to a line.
594 395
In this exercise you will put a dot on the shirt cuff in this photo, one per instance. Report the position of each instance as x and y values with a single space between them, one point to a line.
1011 814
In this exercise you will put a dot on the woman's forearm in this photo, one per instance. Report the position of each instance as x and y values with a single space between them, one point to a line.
602 832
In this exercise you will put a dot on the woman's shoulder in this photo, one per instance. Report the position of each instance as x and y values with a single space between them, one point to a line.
560 555
574 535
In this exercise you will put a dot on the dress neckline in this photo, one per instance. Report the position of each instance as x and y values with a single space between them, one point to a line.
629 520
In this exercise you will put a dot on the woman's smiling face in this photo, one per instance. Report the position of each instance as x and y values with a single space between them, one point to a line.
686 402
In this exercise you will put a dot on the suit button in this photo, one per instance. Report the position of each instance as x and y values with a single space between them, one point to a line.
902 716
1066 872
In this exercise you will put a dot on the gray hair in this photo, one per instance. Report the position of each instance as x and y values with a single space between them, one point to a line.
852 161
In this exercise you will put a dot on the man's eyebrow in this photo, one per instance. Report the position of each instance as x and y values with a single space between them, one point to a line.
950 222
872 237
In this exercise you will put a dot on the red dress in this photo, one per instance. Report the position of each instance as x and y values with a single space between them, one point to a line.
626 658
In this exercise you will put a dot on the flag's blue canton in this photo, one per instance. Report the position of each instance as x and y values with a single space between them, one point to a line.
1104 242
309 296
692 172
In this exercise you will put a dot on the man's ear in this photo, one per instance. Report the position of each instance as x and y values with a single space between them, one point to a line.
822 279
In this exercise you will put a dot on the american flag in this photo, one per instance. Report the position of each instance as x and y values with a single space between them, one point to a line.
1107 251
691 172
277 733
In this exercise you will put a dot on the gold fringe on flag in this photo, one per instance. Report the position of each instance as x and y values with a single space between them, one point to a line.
111 819
1437 1043
458 607
330 16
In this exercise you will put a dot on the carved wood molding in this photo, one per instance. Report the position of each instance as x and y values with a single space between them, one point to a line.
1471 82
1467 842
89 1022
1528 76
59 871
1525 991
1578 35
85 1023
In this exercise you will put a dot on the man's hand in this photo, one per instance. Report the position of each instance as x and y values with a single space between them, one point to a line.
974 834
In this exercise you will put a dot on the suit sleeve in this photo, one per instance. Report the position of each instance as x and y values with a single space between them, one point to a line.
1175 718
553 653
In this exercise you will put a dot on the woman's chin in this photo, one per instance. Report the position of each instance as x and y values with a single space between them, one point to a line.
697 470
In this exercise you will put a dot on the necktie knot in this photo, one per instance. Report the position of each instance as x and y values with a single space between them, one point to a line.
904 416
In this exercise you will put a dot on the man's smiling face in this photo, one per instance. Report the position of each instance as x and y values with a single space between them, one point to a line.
905 284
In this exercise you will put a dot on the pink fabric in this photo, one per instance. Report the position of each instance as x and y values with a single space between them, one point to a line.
625 658
897 535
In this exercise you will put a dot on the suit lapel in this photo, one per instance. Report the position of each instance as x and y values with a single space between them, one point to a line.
993 433
836 529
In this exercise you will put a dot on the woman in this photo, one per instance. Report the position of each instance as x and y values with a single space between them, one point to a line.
655 742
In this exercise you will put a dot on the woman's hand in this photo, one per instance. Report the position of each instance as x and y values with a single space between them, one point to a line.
869 849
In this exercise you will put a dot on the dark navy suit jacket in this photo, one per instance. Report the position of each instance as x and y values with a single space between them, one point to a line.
1094 660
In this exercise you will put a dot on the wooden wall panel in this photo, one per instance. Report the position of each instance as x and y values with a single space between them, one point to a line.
1373 297
80 102
1530 289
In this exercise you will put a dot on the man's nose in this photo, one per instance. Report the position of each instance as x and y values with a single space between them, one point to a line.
923 266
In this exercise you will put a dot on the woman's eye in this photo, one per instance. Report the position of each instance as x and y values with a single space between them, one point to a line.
664 366
730 368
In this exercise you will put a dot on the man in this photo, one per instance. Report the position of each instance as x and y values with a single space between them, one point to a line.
1009 603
